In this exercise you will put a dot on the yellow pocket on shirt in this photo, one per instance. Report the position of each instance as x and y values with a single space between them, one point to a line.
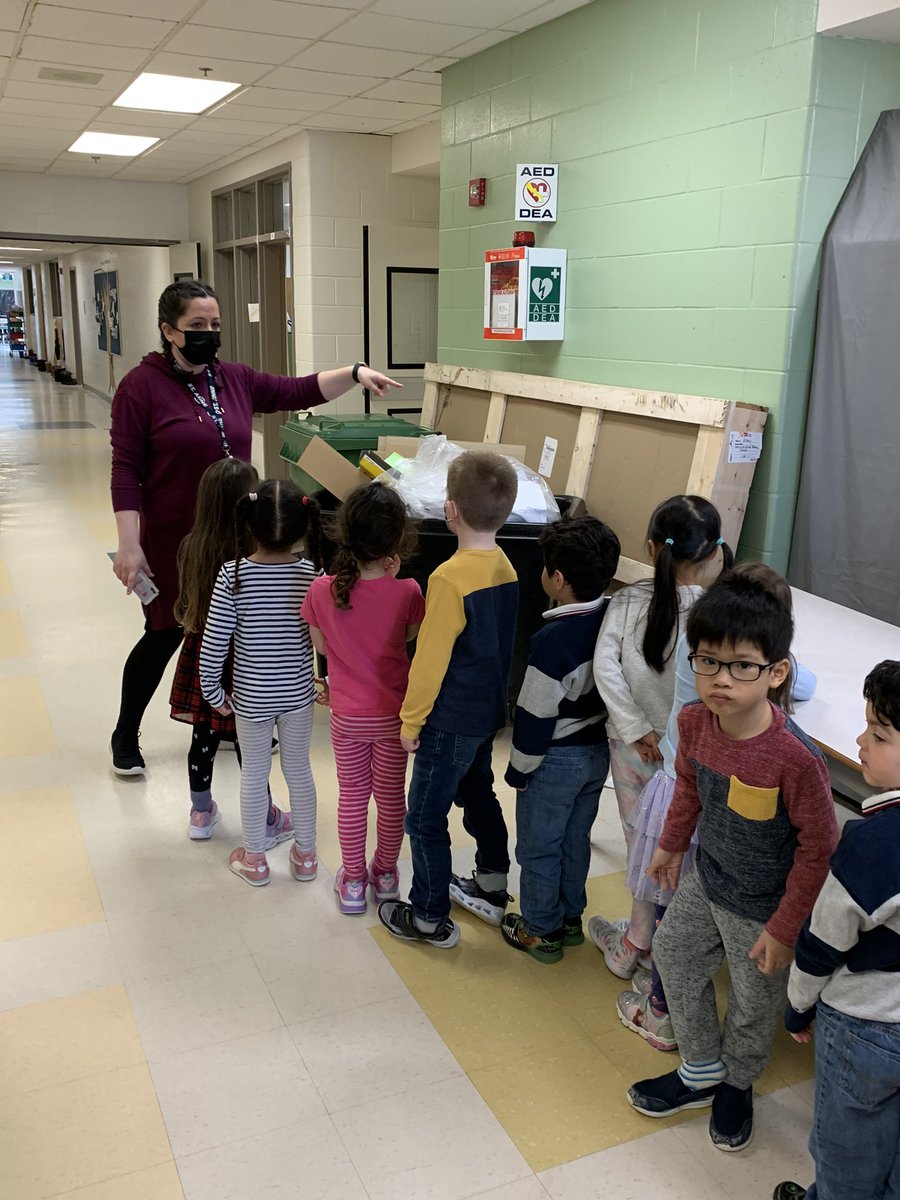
752 803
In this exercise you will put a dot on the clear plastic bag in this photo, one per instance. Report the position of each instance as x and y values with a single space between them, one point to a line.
422 483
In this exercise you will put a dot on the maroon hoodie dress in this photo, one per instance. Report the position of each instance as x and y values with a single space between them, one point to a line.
162 442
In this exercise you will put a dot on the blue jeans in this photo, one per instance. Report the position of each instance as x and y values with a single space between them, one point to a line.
855 1140
554 816
451 768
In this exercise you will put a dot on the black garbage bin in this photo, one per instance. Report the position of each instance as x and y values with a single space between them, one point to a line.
519 542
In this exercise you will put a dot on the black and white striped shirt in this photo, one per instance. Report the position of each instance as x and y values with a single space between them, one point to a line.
273 665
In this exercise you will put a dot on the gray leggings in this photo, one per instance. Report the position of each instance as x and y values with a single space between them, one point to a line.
693 939
255 737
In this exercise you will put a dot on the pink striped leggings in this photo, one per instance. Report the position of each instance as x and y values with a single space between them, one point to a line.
369 759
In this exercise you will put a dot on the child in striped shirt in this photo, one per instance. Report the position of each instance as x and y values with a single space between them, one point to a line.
256 600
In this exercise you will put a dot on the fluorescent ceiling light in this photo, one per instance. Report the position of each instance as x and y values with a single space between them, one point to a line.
125 145
174 93
24 249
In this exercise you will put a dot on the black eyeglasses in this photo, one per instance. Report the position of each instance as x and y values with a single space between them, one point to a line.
742 671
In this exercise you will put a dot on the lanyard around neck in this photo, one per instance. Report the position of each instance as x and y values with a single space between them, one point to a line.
213 410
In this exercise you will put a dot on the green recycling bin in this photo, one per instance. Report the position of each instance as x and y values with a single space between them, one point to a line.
349 434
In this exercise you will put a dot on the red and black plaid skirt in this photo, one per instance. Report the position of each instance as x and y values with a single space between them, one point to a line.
186 699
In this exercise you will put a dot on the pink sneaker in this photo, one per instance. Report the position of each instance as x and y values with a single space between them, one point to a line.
621 958
636 1013
351 894
201 824
256 873
282 830
385 884
304 864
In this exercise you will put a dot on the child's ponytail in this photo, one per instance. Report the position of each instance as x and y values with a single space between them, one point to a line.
345 570
685 531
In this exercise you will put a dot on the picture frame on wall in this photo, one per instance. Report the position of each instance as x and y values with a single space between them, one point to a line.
106 312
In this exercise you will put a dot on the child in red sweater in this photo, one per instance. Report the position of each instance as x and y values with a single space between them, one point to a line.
756 789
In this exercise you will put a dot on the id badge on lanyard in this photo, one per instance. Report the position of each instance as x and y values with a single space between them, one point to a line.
213 410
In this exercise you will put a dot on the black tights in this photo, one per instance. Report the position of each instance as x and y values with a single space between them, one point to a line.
143 670
201 757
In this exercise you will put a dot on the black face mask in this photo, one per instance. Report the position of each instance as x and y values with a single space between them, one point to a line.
200 346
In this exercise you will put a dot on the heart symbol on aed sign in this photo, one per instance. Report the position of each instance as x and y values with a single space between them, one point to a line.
536 191
542 288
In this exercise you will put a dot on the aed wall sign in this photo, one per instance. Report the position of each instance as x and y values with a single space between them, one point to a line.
537 187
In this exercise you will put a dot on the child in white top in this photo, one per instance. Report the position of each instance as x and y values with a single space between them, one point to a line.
634 668
257 600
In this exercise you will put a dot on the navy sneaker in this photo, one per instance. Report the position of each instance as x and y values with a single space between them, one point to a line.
468 894
668 1094
398 919
731 1123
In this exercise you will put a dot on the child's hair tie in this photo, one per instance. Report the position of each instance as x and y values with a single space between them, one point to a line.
252 495
669 542
720 541
304 499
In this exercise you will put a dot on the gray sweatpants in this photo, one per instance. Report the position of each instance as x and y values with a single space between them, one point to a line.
689 946
255 738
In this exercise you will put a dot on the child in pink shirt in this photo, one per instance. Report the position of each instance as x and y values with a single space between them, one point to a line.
361 618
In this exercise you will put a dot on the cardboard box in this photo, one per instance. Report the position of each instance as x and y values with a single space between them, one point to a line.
332 471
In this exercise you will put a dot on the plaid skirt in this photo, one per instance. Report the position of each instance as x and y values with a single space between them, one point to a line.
186 700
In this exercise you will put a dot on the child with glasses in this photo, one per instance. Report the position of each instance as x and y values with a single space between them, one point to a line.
756 790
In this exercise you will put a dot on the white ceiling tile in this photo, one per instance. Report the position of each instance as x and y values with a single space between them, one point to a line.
398 89
27 70
205 141
395 33
236 44
59 94
439 63
248 129
273 116
228 69
131 120
62 122
11 162
348 124
322 81
82 54
7 42
542 13
165 10
484 41
79 25
36 137
272 16
11 14
483 15
393 110
266 97
432 77
402 128
85 168
77 114
353 60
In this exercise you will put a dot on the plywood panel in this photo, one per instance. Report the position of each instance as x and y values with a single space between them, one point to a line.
638 463
530 421
463 415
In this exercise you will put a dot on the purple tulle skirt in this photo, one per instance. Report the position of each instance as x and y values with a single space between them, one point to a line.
647 823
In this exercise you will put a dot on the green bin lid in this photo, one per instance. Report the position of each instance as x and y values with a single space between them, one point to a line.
353 431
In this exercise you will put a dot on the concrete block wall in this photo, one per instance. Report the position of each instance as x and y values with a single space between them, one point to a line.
694 163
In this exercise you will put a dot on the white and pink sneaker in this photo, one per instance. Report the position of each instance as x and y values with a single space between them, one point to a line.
304 864
351 894
385 884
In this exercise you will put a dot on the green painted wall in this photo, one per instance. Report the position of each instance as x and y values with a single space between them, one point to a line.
694 187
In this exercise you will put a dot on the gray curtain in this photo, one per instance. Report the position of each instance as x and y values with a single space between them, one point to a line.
846 544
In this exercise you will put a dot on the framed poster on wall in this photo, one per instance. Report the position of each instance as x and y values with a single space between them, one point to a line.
106 311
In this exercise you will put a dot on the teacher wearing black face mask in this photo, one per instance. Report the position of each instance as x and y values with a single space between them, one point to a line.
173 416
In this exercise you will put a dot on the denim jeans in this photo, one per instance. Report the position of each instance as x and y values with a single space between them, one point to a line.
855 1140
554 816
451 768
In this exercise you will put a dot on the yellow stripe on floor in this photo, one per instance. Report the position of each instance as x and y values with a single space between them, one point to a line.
13 639
542 1043
24 722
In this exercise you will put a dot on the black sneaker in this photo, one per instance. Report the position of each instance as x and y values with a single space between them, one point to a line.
573 932
467 893
543 949
397 918
789 1191
731 1123
126 753
668 1094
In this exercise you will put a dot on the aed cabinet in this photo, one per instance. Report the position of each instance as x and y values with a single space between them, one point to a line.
524 294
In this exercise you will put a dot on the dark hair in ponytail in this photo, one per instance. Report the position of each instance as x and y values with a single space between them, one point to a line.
372 523
685 531
275 517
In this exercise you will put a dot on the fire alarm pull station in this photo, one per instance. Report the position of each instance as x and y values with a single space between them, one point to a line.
524 294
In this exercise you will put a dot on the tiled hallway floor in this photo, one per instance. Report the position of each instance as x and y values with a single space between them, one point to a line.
168 1032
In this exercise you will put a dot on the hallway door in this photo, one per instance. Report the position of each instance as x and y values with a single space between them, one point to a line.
75 310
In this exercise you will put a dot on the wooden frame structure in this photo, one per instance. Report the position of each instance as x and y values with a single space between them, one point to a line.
694 430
